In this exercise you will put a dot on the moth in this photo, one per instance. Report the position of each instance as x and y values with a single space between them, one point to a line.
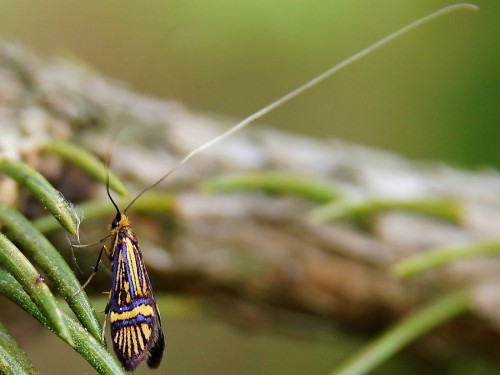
136 329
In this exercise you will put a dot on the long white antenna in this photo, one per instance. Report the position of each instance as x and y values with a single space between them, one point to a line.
313 82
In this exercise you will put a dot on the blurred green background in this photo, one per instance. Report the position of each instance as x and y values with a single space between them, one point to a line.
432 95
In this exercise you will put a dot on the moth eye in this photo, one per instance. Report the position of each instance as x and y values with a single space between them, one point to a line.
116 221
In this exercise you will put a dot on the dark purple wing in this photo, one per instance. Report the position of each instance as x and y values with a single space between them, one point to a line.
136 329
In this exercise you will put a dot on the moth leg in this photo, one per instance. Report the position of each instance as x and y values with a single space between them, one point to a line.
106 312
96 268
79 245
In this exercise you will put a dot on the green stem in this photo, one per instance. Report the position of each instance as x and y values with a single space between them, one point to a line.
43 190
87 162
150 203
24 272
362 212
84 343
274 182
40 250
441 255
13 359
396 338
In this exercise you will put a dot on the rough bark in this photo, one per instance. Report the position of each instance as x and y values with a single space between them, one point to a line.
256 252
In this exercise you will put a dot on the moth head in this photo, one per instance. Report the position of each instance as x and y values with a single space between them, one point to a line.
116 221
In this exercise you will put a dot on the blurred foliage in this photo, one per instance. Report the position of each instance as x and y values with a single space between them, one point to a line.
431 95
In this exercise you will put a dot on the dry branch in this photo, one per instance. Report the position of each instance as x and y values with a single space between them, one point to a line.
258 252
